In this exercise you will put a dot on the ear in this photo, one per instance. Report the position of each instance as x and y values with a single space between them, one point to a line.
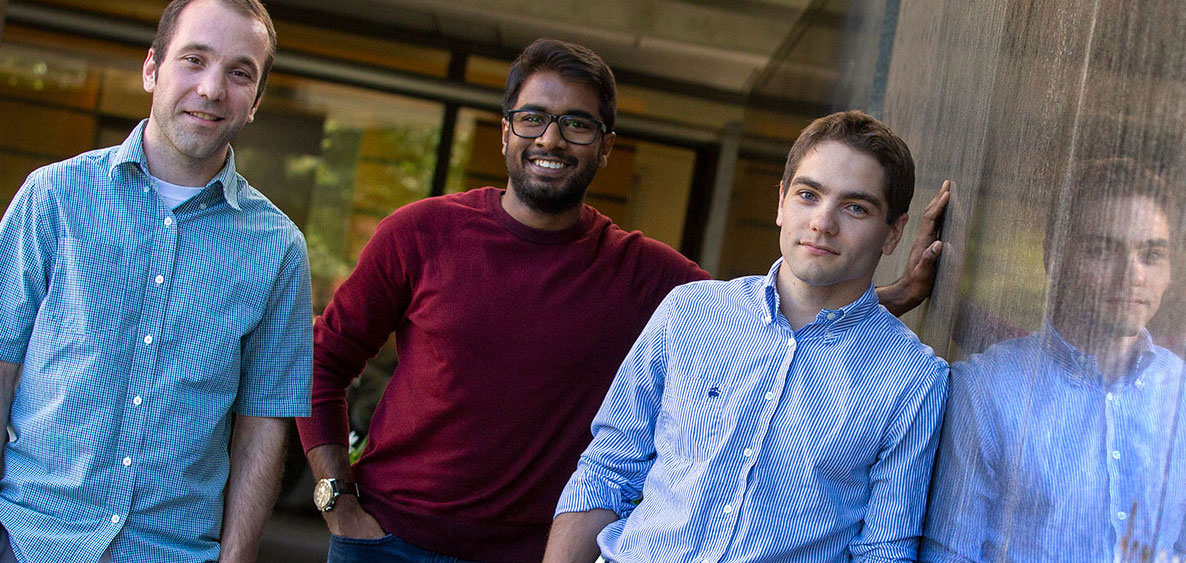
782 194
148 72
255 106
895 235
607 144
506 132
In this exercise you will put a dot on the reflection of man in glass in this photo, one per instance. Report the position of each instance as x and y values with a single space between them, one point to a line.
1063 445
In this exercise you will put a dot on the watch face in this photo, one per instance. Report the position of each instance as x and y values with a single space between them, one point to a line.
323 493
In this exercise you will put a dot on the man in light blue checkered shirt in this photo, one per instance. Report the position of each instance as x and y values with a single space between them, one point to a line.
149 292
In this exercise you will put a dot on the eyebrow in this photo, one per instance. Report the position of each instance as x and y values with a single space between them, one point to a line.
203 48
857 195
1147 243
573 112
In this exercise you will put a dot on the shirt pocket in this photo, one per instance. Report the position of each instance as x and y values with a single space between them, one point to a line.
88 287
691 420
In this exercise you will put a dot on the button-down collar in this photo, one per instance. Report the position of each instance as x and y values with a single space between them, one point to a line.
832 322
1083 369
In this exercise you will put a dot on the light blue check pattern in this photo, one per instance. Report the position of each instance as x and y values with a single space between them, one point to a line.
749 441
1043 459
141 329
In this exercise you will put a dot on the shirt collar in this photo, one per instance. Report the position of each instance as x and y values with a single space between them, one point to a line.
131 153
833 321
1082 368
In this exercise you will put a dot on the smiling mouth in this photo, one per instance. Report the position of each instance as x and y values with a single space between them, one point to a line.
548 164
204 116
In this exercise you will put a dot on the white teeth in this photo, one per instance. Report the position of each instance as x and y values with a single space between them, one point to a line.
549 164
205 116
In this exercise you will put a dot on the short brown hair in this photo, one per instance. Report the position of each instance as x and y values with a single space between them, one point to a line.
250 8
862 132
1100 179
569 60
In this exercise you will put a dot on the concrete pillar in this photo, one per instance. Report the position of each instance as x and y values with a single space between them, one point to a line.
722 193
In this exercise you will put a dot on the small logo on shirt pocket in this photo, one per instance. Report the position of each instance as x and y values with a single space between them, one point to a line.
690 427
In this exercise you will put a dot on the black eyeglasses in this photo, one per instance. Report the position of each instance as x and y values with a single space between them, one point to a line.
531 124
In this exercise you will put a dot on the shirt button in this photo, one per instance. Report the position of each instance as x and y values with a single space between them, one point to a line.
137 400
1121 515
168 221
727 509
831 316
159 279
1109 396
1140 383
748 452
127 461
145 189
115 519
769 396
201 206
827 335
1115 455
148 339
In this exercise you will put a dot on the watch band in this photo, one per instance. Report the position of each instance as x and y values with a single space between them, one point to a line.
345 488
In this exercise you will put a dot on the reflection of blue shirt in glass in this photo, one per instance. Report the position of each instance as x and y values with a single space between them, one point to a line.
1042 459
748 441
140 329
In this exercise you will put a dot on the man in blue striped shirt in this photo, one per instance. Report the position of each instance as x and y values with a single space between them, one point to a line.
786 417
150 297
1067 444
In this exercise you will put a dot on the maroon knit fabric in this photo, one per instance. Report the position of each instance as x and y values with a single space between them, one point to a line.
508 338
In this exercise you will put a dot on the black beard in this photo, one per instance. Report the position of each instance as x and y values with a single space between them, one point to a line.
550 201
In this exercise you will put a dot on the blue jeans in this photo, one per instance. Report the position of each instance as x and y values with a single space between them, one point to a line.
382 550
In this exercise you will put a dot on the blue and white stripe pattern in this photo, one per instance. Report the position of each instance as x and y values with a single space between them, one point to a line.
748 441
1043 459
141 329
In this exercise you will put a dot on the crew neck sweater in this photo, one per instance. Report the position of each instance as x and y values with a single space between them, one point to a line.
508 338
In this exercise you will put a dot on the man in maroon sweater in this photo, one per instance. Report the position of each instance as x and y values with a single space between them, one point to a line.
511 310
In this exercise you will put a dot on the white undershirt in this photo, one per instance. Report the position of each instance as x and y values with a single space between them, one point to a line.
173 195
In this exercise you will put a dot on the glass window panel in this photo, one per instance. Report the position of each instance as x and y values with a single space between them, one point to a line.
485 71
662 185
46 78
363 49
751 237
47 131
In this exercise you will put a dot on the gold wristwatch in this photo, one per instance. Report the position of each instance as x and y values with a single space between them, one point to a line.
326 492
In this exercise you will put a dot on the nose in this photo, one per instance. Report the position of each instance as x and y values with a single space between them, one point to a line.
1134 270
551 137
212 84
823 220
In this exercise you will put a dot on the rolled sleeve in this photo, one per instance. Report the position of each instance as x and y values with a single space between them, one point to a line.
586 491
278 354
